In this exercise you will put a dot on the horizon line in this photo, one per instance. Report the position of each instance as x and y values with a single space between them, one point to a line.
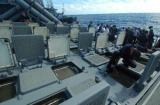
118 13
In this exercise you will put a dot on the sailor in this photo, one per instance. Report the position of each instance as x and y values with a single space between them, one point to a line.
150 37
158 44
90 24
142 40
107 29
97 27
129 37
113 32
129 54
136 34
101 28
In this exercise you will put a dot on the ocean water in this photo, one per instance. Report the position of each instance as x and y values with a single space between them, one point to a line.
142 20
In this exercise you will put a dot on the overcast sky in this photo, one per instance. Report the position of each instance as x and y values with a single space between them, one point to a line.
107 6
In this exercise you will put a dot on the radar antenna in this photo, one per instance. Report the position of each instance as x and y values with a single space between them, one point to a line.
49 3
63 10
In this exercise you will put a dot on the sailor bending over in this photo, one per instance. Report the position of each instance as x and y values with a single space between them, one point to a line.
129 54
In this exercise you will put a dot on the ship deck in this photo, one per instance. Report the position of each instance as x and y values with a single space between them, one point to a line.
117 93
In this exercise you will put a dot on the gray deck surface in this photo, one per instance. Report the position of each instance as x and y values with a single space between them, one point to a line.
118 92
